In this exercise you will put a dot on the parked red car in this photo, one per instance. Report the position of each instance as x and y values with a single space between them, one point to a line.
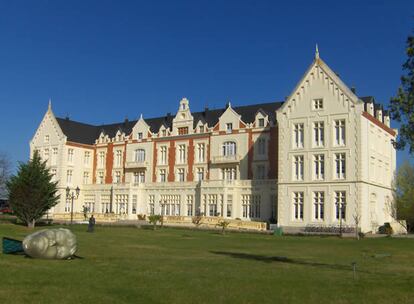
5 210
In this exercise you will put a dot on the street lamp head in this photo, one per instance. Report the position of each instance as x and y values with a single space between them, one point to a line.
67 191
77 192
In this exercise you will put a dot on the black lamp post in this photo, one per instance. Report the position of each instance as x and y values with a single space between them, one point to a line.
72 195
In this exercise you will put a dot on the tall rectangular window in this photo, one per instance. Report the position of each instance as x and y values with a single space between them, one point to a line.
69 176
340 205
298 135
319 166
180 175
318 133
118 158
163 175
86 178
200 174
70 155
163 156
340 165
261 122
46 154
102 159
134 204
318 205
340 132
229 205
151 205
200 152
181 154
261 146
228 173
101 177
117 177
298 167
86 158
260 172
298 205
229 127
54 156
139 155
190 208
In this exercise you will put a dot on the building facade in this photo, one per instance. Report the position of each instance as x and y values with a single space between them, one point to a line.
322 156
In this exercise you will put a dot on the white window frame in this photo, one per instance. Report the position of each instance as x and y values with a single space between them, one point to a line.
340 132
298 205
318 134
318 205
298 135
319 166
298 167
340 165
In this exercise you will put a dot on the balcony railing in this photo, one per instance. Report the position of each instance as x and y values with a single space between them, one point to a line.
136 164
225 159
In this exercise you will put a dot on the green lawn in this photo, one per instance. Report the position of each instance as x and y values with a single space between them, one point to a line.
130 265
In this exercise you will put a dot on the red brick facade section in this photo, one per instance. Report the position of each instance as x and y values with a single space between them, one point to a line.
190 160
171 161
378 123
273 153
109 163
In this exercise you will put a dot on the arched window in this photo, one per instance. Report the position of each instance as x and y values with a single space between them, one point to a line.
229 148
139 155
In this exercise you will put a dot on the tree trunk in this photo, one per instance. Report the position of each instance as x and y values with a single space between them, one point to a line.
31 224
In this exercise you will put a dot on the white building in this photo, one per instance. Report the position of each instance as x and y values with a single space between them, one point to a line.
321 157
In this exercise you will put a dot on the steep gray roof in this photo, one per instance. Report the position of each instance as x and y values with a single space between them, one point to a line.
87 134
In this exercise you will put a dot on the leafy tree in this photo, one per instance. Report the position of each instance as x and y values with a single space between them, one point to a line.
402 206
32 192
154 219
5 166
402 105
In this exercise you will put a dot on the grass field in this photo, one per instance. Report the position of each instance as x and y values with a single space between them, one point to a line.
130 265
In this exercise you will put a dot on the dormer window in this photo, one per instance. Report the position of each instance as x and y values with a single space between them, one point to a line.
164 132
318 104
229 127
139 136
201 129
183 131
261 122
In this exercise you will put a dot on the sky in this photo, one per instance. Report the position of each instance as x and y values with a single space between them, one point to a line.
102 61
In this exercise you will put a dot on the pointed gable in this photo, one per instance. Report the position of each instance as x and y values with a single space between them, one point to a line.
325 84
49 129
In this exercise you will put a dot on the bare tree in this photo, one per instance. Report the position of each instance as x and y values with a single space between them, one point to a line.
357 219
5 170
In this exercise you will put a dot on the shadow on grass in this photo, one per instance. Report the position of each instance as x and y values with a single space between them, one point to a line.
281 259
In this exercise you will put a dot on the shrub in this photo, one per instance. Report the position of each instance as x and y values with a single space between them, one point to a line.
385 229
154 219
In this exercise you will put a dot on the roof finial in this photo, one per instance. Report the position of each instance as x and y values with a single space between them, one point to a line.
316 52
140 116
49 107
228 104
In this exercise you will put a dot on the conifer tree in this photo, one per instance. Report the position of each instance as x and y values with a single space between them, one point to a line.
32 192
402 105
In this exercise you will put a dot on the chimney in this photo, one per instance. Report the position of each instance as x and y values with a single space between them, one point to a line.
353 89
